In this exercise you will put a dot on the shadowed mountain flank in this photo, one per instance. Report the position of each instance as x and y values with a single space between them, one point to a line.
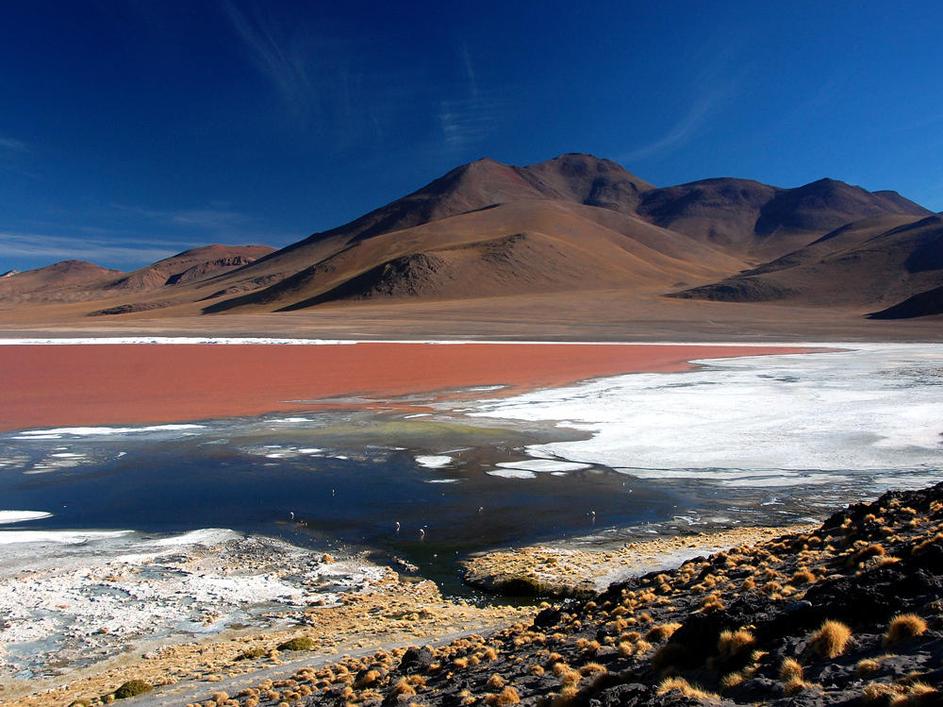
922 304
873 263
763 222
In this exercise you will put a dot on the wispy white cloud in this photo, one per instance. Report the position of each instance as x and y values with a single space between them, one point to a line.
280 56
43 246
209 218
465 121
682 131
10 144
713 86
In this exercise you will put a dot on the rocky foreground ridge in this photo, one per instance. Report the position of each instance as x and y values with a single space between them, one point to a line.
851 613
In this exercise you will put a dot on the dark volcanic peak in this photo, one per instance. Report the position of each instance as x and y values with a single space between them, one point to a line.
589 180
827 204
722 211
762 220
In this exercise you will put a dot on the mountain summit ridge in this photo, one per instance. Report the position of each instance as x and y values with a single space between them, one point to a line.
575 223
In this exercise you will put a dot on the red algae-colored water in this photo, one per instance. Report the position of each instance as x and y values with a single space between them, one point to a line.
88 384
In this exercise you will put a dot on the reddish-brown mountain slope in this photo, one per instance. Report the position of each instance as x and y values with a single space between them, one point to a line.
875 263
523 247
191 266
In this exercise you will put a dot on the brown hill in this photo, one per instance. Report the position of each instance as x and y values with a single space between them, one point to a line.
65 281
575 178
521 247
761 222
191 266
874 263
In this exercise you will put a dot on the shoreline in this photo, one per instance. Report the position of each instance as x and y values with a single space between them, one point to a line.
567 568
133 383
389 611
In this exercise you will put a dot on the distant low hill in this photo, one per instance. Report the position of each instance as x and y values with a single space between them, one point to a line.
569 226
79 280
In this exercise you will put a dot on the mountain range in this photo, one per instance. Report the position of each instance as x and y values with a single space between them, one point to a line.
571 226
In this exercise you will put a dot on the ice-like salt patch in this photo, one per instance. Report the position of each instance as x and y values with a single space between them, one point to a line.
292 420
784 481
22 516
544 465
56 433
433 461
61 537
441 481
67 455
875 407
906 481
310 450
512 473
68 605
204 536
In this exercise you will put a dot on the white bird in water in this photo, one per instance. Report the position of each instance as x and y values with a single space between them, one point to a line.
291 514
481 509
397 526
422 533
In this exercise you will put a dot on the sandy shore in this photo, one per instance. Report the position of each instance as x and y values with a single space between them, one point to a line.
49 386
559 569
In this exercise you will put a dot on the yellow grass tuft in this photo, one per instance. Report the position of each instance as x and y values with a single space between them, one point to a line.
662 632
508 696
495 682
790 670
903 627
803 576
403 687
831 639
731 644
685 688
368 678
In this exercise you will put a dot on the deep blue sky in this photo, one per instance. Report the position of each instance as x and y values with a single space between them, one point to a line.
132 130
